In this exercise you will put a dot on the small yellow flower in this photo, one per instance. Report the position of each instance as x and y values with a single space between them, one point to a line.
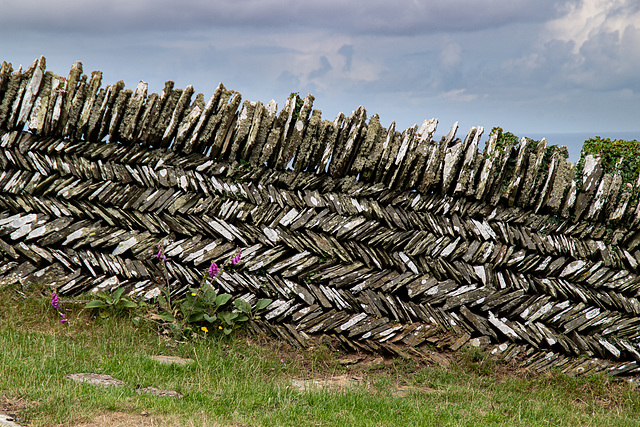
204 329
219 327
193 294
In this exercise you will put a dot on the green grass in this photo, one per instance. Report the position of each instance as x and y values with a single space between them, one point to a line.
242 381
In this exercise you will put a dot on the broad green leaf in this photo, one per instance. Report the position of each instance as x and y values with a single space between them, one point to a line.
128 304
195 317
117 294
96 303
210 319
227 331
242 305
210 295
242 318
228 317
104 297
222 299
263 303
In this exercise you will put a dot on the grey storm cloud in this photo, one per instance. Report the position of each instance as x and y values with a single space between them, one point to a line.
611 60
400 17
596 53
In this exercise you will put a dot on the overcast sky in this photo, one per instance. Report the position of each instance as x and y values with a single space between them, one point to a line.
529 66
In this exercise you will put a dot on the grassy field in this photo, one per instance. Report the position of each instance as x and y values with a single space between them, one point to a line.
254 381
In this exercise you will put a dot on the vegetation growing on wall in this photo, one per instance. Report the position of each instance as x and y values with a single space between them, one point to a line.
503 138
617 156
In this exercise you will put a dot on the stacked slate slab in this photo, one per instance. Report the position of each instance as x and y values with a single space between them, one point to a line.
381 240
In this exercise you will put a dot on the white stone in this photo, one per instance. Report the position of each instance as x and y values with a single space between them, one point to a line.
271 234
354 320
612 349
450 248
408 262
461 290
503 327
125 245
592 313
289 217
22 231
572 268
590 164
73 236
390 330
479 270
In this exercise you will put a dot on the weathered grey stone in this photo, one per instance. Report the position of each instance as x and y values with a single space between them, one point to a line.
31 92
533 166
12 86
490 154
96 379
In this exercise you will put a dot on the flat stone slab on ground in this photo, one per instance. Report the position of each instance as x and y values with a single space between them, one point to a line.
333 383
168 360
158 392
8 421
95 379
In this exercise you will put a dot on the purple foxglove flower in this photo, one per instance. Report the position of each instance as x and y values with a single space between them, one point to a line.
236 259
54 301
214 269
161 255
64 319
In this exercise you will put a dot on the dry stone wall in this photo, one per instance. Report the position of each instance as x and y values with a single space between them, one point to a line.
380 240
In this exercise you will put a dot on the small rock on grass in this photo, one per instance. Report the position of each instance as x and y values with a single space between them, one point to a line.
7 421
95 379
168 360
159 392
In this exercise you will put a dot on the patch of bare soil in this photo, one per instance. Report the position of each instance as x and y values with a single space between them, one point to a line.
324 365
327 367
122 419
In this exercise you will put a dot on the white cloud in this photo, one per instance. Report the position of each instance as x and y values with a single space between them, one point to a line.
450 56
593 46
585 19
459 95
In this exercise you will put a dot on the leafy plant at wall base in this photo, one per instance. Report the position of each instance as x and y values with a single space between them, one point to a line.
204 309
112 304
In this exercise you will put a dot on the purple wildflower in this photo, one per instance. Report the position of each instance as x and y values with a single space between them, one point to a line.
64 319
161 254
54 301
236 259
214 269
